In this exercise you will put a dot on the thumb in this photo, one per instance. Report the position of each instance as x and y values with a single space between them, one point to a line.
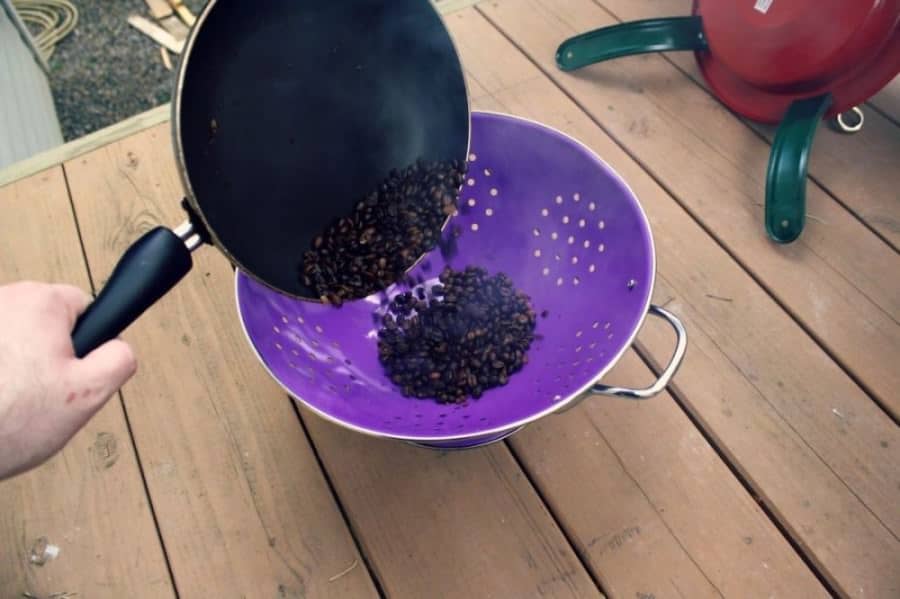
103 371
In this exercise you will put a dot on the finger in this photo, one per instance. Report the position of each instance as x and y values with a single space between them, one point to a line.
74 301
101 373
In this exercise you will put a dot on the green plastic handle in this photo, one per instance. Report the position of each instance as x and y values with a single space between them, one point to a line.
635 37
786 176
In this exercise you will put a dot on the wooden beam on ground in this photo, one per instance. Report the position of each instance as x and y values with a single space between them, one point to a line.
176 27
156 33
159 8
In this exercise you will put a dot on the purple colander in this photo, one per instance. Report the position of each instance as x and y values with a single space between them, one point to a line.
537 205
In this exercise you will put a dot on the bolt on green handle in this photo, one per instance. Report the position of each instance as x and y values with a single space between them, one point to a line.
635 37
786 175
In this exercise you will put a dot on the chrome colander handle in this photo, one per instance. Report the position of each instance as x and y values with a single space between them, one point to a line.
667 374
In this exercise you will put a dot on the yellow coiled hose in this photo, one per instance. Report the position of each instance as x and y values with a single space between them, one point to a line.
54 19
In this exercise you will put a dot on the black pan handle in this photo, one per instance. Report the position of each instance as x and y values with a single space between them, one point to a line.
145 273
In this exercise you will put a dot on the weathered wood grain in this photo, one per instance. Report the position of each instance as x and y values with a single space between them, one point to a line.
448 524
242 505
83 499
762 389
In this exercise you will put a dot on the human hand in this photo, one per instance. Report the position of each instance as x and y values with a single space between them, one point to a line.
46 393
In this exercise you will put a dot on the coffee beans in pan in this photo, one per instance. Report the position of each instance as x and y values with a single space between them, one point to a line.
458 339
370 249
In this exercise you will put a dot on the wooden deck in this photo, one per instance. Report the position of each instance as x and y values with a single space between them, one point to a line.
770 468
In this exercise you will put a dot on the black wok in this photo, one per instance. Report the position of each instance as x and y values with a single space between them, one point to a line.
285 114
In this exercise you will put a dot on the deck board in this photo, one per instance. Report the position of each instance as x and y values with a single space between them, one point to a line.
448 524
763 389
867 187
838 279
243 507
888 100
614 472
83 498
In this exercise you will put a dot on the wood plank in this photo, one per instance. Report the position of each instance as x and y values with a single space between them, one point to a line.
159 8
243 507
858 169
888 100
637 483
448 524
176 27
83 498
184 12
839 280
85 144
636 455
156 33
761 388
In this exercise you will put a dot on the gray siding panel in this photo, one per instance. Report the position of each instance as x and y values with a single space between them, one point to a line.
28 121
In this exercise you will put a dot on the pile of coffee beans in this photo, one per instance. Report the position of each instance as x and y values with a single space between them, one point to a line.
370 249
459 338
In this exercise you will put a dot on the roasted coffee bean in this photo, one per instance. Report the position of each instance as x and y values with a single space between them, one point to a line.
373 247
468 335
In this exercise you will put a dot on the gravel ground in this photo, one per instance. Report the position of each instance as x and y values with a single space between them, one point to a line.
106 71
